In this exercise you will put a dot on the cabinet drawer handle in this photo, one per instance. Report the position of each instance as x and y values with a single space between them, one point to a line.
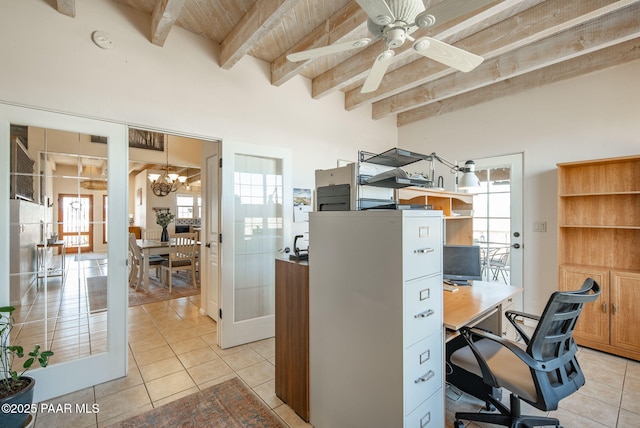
424 314
425 356
424 250
604 307
425 420
429 375
615 308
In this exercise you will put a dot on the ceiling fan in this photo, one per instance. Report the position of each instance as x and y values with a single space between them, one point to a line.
393 21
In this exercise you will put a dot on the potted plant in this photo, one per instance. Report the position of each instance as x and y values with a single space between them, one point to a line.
163 218
16 389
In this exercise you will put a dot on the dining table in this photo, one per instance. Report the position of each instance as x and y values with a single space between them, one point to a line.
157 247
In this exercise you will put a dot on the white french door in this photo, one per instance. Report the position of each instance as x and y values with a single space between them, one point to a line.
90 345
498 217
257 211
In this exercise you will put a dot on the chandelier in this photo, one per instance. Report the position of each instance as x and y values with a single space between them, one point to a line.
165 183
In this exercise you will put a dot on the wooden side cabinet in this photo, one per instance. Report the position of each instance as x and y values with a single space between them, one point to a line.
292 335
598 236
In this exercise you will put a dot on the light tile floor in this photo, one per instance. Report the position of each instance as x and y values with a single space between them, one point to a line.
173 353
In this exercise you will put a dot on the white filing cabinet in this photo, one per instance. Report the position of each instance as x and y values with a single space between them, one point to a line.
375 319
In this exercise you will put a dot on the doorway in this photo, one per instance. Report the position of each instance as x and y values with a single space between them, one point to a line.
75 228
497 220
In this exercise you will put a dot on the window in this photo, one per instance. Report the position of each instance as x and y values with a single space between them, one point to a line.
185 206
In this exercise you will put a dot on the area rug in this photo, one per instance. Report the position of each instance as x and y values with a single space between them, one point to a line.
228 404
90 256
97 292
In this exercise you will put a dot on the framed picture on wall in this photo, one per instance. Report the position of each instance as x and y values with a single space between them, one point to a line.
149 140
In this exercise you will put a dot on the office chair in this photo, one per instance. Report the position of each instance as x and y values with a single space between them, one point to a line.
540 371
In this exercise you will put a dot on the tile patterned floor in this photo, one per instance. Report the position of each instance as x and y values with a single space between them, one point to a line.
173 352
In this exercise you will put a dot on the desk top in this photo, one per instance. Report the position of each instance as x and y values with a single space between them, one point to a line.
472 301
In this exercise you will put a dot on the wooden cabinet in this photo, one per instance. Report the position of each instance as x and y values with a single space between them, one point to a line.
136 230
292 335
598 237
456 207
375 319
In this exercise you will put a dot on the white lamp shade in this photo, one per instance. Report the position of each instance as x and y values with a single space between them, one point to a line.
153 177
469 180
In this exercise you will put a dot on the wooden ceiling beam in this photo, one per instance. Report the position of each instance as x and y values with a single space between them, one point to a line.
592 62
164 16
357 67
544 19
258 21
337 28
66 7
608 30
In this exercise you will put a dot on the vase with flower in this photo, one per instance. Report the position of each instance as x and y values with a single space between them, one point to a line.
163 218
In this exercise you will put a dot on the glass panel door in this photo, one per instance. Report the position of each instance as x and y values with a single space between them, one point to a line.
260 209
66 298
497 219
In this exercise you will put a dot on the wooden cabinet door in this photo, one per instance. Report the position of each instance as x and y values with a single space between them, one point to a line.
625 295
593 324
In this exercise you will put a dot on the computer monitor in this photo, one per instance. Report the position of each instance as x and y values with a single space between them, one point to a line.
461 263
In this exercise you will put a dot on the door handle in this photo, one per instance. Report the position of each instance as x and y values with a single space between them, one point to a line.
208 245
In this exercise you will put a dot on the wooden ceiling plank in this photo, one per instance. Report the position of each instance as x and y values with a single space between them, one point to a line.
548 18
66 7
357 67
258 21
337 28
592 62
164 15
608 30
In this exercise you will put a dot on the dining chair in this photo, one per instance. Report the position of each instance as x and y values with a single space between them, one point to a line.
137 262
182 257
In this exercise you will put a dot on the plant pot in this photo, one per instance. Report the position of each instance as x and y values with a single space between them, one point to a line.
20 400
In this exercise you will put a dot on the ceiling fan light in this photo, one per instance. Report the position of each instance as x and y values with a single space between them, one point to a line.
383 20
425 20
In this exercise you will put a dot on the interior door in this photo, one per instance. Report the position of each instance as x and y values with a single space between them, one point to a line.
257 213
497 218
211 234
55 310
75 222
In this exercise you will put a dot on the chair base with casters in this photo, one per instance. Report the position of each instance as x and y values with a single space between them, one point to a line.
541 370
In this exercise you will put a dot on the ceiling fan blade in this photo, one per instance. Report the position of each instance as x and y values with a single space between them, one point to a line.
447 54
447 10
378 11
325 50
378 71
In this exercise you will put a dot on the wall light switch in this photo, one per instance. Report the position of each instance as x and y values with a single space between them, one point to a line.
540 226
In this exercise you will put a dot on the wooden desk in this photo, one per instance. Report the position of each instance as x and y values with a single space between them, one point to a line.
483 305
292 335
471 304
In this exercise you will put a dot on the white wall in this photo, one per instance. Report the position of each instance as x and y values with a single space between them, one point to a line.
589 117
50 62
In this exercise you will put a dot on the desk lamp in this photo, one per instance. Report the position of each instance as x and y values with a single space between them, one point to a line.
468 181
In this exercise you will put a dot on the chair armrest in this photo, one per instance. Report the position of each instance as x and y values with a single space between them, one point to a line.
511 316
